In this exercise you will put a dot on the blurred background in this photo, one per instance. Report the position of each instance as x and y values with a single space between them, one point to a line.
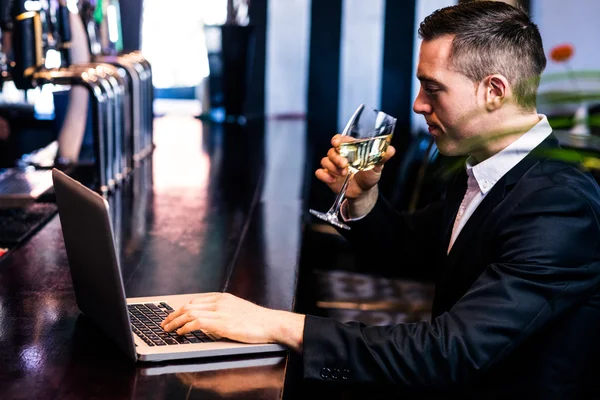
300 66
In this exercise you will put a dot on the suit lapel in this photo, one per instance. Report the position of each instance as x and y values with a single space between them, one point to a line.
454 197
489 202
495 196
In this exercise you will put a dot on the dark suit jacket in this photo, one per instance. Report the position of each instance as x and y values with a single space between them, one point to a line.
517 304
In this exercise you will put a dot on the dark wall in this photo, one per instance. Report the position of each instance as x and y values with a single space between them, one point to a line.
396 85
323 92
255 99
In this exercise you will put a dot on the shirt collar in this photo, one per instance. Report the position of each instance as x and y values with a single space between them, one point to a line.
490 170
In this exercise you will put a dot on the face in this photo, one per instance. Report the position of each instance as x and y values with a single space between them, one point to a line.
448 100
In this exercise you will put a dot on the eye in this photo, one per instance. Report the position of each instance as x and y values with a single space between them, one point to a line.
430 89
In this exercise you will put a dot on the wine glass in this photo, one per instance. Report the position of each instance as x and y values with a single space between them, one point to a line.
365 140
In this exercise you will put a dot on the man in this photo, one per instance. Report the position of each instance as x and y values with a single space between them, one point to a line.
516 241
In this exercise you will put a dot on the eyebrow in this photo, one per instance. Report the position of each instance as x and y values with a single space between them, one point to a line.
427 79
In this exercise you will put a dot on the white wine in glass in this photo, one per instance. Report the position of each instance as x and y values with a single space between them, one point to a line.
365 140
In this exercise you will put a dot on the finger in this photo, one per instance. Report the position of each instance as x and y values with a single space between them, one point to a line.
189 327
339 161
336 140
324 176
179 322
189 317
190 306
332 168
389 153
172 316
203 322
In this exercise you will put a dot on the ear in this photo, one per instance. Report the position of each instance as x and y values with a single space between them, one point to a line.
497 91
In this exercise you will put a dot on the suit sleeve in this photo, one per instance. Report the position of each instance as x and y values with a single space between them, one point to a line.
536 279
389 232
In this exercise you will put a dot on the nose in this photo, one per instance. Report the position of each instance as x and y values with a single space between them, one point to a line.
421 104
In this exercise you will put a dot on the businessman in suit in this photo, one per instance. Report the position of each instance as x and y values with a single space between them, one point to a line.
516 242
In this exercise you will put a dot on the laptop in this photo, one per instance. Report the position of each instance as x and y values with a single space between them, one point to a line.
132 323
263 362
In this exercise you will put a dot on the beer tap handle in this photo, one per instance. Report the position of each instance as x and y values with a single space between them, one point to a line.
27 44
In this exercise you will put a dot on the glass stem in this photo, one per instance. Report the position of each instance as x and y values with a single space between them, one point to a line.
335 208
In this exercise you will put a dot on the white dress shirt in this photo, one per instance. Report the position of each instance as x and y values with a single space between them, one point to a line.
483 176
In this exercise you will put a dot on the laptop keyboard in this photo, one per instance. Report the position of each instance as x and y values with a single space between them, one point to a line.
145 322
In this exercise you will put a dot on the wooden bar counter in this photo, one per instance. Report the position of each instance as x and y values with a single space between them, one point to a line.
194 217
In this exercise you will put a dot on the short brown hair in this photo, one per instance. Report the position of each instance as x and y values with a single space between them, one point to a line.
492 37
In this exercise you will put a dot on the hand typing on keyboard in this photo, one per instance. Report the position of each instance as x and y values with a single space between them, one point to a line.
225 315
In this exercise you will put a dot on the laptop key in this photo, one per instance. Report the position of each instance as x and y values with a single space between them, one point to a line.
152 336
146 340
146 319
181 340
203 336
